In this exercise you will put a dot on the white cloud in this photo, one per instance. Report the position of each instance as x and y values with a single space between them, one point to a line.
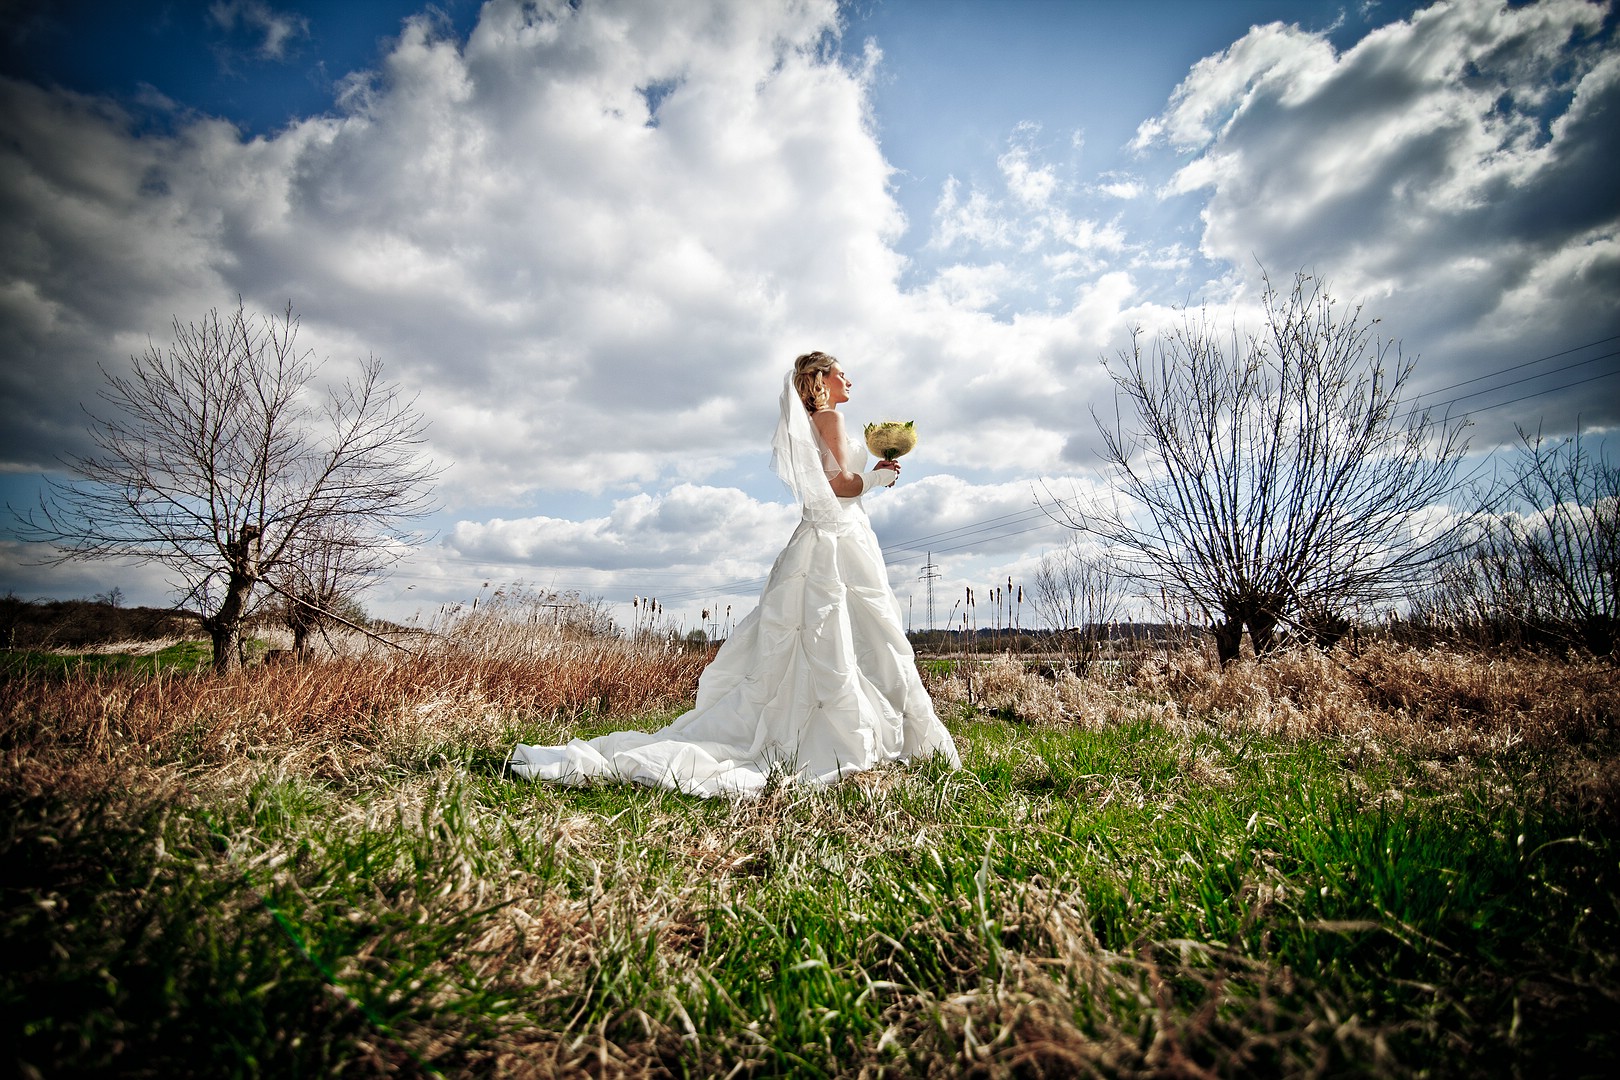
276 28
1454 170
976 220
1090 235
1120 186
1031 184
1274 59
707 531
610 300
592 240
969 288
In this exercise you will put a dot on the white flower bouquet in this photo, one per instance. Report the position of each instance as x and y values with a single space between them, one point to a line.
889 439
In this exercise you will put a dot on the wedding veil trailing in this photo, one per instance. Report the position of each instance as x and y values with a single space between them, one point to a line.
798 457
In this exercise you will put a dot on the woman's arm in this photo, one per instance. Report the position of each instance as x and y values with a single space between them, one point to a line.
845 484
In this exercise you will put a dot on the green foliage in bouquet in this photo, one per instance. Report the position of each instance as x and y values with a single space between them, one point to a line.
889 439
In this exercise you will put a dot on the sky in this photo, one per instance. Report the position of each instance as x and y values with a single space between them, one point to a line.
591 237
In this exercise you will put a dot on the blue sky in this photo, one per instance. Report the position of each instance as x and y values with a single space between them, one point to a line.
971 203
961 75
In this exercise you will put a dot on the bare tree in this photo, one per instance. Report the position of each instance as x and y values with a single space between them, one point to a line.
1077 595
1546 569
321 578
1568 535
222 463
1481 594
1276 477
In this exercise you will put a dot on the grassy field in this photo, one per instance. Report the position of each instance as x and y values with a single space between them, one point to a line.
1395 863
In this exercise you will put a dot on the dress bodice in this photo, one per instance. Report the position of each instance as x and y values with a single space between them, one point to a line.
854 459
854 454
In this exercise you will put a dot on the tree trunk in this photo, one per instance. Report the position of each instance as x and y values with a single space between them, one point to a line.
1087 650
1262 632
1228 640
225 626
1597 632
1071 645
1325 627
301 620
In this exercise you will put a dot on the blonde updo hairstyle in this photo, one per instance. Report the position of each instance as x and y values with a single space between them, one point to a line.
810 379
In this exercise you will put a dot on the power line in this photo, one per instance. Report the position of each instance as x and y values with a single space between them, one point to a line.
1529 378
1047 524
1541 393
1525 364
997 528
917 542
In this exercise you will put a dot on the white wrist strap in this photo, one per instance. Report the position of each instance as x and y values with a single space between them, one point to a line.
877 478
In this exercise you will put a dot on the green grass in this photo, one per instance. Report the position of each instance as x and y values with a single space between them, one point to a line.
1129 901
180 658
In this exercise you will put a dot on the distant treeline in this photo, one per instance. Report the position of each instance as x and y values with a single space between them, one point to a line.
1019 639
49 624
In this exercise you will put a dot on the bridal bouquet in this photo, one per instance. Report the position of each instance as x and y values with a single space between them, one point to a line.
891 438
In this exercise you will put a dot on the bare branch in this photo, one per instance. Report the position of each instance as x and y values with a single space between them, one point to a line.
1274 478
213 462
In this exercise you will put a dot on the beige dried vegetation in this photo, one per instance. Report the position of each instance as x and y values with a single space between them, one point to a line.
1005 975
1438 699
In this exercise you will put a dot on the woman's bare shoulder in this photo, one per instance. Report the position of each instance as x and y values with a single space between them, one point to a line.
830 422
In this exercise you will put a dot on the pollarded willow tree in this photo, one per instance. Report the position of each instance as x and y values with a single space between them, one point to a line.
1275 478
222 462
320 579
1545 570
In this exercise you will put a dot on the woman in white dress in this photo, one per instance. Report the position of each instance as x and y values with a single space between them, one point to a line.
818 681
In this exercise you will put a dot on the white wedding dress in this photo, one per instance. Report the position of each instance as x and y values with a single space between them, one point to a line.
816 683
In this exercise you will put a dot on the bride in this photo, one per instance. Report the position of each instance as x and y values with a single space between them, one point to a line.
818 681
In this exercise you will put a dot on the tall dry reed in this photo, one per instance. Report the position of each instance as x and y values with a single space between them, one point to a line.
338 714
1435 697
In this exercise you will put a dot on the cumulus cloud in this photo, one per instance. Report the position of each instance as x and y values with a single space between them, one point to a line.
1120 186
593 299
1455 170
589 238
1451 171
701 545
976 219
1040 231
722 530
1032 183
592 238
1278 60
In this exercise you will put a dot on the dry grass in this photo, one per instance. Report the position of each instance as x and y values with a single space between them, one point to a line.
1435 699
1118 883
337 717
1005 686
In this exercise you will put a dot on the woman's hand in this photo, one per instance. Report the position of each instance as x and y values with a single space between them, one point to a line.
884 474
847 484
